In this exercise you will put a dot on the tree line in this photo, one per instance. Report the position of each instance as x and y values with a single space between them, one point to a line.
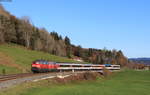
22 32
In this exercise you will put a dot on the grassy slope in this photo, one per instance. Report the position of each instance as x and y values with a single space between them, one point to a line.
24 57
9 69
122 83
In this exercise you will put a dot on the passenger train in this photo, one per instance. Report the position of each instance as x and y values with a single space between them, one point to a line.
39 66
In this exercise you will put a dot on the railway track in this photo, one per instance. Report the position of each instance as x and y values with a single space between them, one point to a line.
21 75
14 76
15 79
24 75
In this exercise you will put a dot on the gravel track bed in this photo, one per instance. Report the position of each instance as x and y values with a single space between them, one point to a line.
13 82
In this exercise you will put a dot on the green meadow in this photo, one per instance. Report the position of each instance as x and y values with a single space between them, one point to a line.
127 82
123 83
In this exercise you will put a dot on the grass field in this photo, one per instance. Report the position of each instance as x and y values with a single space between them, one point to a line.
127 82
16 59
124 83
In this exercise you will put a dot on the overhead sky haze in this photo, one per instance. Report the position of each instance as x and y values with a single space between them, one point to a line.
114 24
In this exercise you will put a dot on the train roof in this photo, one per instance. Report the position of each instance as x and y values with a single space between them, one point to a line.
77 64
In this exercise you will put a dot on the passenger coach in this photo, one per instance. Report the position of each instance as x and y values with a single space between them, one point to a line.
48 66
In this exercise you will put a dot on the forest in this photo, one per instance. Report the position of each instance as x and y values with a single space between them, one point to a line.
22 32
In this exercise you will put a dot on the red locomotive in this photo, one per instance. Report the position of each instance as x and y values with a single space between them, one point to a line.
43 66
47 66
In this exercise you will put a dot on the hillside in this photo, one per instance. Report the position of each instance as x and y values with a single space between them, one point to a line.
18 59
22 32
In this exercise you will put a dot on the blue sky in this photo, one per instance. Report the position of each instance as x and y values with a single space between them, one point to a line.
114 24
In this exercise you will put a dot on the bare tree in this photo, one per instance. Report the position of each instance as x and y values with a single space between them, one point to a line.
27 31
